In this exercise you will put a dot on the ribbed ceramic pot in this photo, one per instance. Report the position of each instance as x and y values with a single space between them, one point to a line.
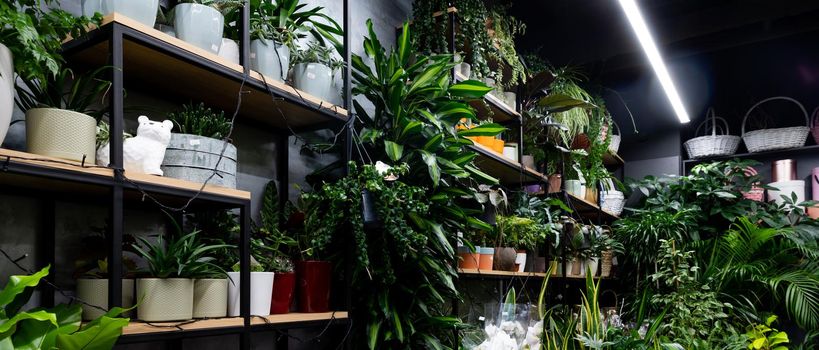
61 134
199 25
164 299
229 50
194 158
315 79
210 296
95 292
270 59
6 90
261 290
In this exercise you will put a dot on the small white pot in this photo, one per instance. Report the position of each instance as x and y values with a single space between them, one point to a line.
6 90
786 188
199 25
95 292
61 134
270 58
165 299
210 297
229 50
592 264
315 79
520 261
261 292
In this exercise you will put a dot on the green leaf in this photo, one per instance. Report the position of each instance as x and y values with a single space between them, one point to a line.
394 150
101 336
470 89
481 176
434 143
490 129
411 128
16 286
556 103
432 165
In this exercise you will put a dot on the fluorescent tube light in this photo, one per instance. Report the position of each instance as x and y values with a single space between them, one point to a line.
647 42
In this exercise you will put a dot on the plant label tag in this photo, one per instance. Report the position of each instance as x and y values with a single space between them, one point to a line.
194 142
311 76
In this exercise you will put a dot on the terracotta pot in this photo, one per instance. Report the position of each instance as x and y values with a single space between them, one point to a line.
313 280
591 195
469 259
282 297
555 183
487 258
505 259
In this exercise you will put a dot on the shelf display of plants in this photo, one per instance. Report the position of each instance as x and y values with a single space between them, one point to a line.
314 70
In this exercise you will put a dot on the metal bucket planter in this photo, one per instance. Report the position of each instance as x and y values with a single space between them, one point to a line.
142 11
95 292
199 25
6 90
165 299
270 58
210 297
193 158
315 79
61 134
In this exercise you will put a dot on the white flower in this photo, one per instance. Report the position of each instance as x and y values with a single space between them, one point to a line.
386 171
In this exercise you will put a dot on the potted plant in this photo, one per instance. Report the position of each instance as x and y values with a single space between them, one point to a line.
60 119
167 294
610 247
274 27
578 250
313 70
200 147
261 288
523 234
276 250
492 199
92 288
505 255
313 272
201 22
210 292
143 11
229 49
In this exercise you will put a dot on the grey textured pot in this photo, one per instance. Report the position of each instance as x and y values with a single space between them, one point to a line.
210 297
270 59
199 25
95 292
193 158
143 11
315 79
6 90
165 299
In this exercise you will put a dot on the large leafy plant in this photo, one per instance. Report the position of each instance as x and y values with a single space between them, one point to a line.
65 90
285 21
179 257
34 31
58 328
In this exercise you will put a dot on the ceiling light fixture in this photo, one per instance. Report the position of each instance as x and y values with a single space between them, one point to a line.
650 48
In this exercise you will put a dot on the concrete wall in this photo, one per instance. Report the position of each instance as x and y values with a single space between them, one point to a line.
22 232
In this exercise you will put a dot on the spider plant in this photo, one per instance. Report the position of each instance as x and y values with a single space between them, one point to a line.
183 257
65 90
285 21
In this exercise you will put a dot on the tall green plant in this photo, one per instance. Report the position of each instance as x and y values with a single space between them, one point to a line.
285 21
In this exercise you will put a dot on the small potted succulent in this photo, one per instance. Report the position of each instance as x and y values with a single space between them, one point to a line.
313 70
261 286
168 293
195 150
143 11
201 22
61 121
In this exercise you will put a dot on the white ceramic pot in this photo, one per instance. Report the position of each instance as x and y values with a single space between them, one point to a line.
786 188
142 11
210 297
570 266
575 188
315 79
95 292
270 59
229 50
61 134
261 292
520 261
591 265
164 299
6 90
199 25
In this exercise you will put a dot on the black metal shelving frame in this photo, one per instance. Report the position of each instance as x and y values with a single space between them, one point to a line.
117 186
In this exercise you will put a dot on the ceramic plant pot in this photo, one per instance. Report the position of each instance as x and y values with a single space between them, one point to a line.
210 297
6 90
528 161
575 267
487 259
591 265
575 188
315 79
261 288
229 50
164 299
505 259
520 260
199 25
469 259
142 11
270 58
193 158
95 292
61 134
284 286
313 281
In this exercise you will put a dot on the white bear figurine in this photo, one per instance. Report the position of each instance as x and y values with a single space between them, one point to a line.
144 152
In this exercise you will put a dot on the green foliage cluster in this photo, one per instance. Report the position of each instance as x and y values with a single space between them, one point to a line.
285 21
196 119
179 257
318 53
65 90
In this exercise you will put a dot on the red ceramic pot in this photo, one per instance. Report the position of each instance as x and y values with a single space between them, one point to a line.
283 287
313 280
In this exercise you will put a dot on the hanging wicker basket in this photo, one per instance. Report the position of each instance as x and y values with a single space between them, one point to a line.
719 143
779 138
614 145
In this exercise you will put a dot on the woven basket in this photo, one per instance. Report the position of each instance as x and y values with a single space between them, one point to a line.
779 138
606 259
719 143
613 202
614 145
814 129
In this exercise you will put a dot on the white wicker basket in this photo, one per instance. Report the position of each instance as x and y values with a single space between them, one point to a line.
779 138
719 143
612 201
614 144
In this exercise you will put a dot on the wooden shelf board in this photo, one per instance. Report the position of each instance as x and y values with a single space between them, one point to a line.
506 170
498 110
583 207
138 328
102 175
300 317
512 274
162 72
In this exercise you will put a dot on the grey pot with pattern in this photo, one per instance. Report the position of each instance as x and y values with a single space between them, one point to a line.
194 158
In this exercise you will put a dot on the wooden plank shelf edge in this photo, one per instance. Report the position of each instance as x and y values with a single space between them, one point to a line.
137 328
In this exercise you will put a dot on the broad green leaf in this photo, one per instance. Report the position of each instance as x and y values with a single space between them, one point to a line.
432 165
490 129
410 129
373 333
481 176
40 316
101 336
470 89
434 143
394 150
18 284
556 103
442 241
426 78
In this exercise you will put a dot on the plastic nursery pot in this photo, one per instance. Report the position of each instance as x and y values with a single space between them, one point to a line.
283 288
261 288
164 299
143 11
315 79
497 145
210 296
62 134
199 25
469 259
505 259
95 292
270 58
487 258
313 281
